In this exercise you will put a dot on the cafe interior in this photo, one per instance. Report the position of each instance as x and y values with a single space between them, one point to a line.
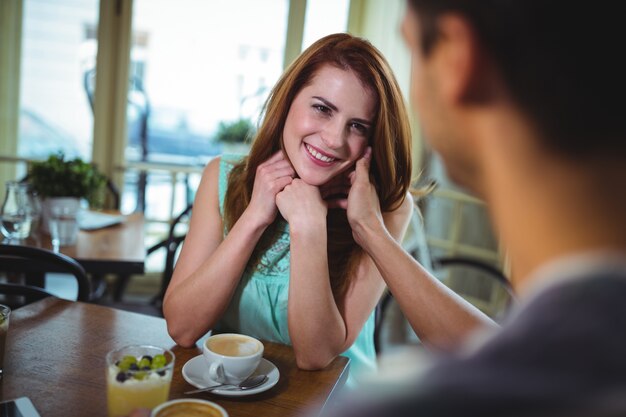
148 92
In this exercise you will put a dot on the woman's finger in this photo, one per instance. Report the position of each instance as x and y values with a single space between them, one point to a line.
277 156
275 170
361 172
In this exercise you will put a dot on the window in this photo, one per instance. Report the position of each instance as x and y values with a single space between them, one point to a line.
324 17
198 64
57 46
194 65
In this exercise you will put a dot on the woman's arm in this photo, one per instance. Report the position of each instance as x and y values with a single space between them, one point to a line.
209 266
320 326
439 316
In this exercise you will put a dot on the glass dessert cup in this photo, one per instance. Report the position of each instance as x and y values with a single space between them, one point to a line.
138 376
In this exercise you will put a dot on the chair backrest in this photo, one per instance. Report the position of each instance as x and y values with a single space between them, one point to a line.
29 292
479 282
34 262
171 244
501 295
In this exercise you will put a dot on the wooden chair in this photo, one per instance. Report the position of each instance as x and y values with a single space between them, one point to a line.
464 265
171 244
479 282
33 264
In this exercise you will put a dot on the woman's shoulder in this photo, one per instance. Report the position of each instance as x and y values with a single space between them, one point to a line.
397 220
406 208
231 159
221 165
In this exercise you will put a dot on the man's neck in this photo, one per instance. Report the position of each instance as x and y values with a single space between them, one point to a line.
545 207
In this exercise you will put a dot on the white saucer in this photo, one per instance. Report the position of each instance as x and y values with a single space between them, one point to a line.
195 368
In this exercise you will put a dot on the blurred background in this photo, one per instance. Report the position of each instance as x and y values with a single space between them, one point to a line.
151 90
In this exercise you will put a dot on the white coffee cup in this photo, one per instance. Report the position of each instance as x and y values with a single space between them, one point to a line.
231 357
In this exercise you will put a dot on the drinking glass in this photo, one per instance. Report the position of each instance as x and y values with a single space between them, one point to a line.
138 376
63 225
34 203
17 211
5 312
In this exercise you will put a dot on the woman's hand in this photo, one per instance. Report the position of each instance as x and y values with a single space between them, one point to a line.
272 176
363 206
301 204
335 192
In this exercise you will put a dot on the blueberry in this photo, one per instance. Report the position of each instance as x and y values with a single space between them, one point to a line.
133 367
121 377
148 357
145 368
161 373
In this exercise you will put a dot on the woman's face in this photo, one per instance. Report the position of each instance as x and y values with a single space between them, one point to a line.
328 125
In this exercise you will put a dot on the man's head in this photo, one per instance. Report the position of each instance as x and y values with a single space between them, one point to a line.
555 61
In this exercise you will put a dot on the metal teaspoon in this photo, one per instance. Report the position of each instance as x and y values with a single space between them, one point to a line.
249 383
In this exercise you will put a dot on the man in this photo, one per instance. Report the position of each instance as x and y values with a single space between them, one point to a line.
523 100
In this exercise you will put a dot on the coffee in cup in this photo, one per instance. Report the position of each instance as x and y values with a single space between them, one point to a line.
189 407
231 357
233 345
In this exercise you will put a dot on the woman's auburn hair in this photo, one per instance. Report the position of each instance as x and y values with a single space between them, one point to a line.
390 140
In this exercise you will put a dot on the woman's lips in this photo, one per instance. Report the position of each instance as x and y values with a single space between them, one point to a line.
318 157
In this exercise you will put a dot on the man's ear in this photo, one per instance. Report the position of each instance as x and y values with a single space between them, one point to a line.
462 68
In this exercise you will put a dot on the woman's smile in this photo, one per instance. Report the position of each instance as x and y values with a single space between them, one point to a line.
318 156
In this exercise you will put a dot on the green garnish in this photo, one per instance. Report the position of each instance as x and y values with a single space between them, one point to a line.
144 362
125 363
158 361
139 368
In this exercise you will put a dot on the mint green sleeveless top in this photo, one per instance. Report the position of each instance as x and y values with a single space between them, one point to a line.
259 306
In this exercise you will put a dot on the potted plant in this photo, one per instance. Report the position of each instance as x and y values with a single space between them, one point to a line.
61 184
235 134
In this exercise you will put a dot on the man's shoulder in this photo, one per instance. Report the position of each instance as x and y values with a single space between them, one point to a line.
565 346
597 293
573 314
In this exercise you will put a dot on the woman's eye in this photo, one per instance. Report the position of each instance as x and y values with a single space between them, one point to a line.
321 108
359 128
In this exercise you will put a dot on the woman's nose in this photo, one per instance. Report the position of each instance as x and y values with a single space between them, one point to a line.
333 135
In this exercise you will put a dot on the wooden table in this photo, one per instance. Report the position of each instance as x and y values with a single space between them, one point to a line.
117 249
55 355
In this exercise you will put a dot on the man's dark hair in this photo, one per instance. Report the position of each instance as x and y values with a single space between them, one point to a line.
560 60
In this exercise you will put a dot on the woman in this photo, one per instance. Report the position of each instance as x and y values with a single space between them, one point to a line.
270 252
